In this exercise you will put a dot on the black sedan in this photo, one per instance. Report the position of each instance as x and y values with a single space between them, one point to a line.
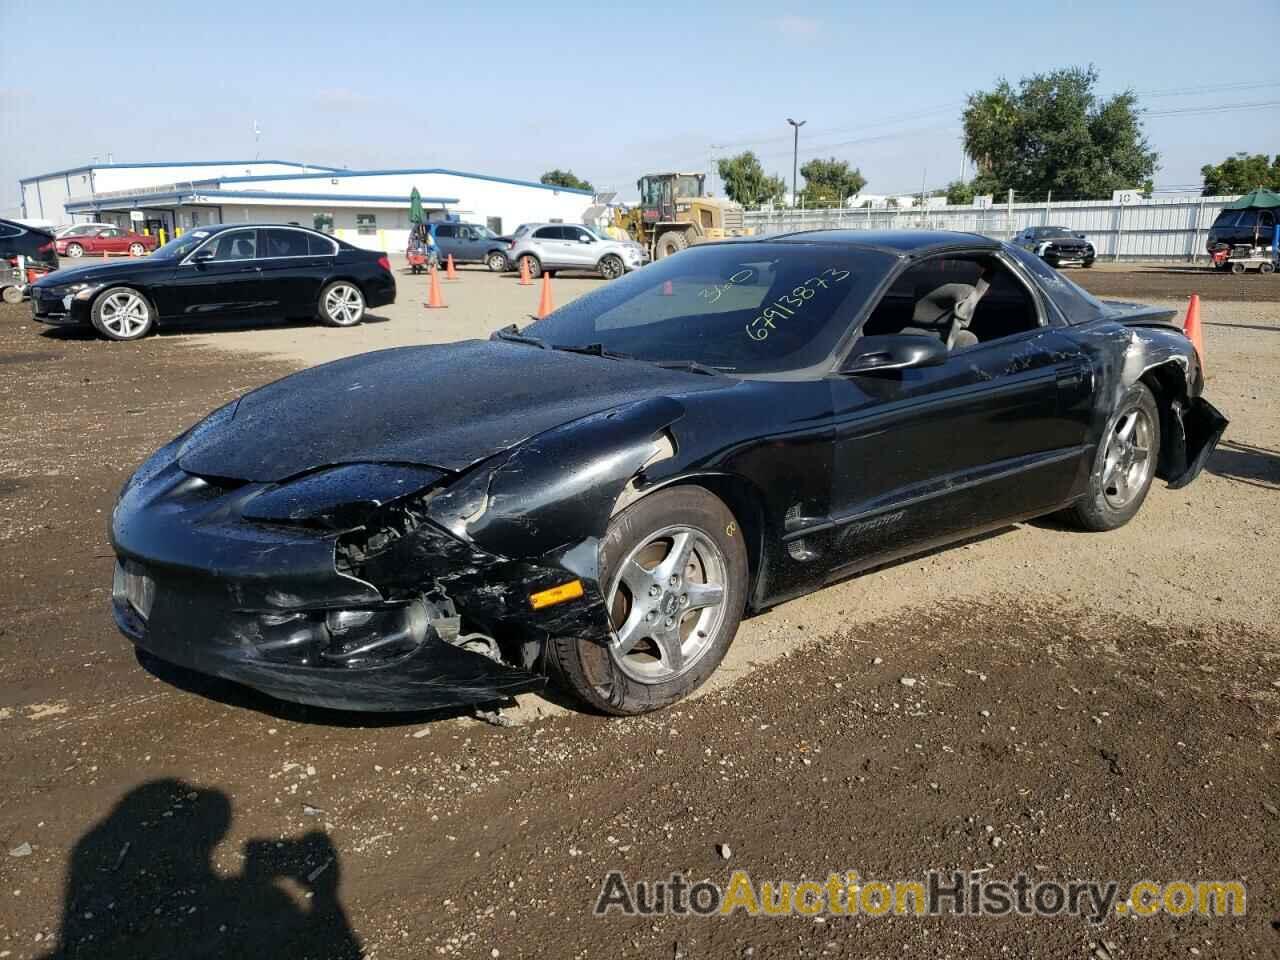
224 271
603 495
1058 246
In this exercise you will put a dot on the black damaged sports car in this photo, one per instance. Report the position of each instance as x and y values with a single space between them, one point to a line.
603 495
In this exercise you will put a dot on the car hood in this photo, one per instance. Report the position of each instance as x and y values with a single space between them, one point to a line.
103 272
446 406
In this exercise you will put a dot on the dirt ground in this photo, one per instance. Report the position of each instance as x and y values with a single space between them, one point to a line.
1062 704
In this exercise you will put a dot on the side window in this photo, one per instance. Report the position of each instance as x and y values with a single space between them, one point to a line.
547 233
1227 218
446 231
1076 304
932 297
1248 218
576 234
320 247
234 245
285 243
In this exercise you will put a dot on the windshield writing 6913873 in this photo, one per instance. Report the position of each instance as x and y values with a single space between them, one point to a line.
787 305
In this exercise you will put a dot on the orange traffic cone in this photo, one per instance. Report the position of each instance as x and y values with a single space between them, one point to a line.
1192 328
449 272
666 289
544 304
525 279
434 300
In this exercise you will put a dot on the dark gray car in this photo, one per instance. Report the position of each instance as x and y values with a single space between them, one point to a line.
472 243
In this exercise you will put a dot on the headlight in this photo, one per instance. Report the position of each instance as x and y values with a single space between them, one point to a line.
83 291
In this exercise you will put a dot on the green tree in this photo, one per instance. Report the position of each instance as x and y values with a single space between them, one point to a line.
1240 174
829 182
745 181
565 178
1054 133
959 192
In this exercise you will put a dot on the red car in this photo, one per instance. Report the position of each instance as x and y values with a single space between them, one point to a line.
105 240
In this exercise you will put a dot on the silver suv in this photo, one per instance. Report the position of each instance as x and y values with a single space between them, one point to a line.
566 246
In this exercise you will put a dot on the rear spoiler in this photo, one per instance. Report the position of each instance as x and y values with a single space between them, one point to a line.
1139 314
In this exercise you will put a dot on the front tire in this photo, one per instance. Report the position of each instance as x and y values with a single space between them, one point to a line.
341 304
75 251
496 262
122 313
674 571
671 242
137 250
1125 464
611 267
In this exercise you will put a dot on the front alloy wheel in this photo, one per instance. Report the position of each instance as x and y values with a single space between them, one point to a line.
611 267
74 250
674 574
496 262
342 304
122 313
1125 464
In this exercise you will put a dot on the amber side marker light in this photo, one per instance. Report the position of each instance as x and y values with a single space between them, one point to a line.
549 598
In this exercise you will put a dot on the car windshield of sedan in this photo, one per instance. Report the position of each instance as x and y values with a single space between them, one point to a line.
742 307
179 247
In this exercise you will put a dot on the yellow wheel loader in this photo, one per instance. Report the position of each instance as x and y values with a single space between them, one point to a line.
675 212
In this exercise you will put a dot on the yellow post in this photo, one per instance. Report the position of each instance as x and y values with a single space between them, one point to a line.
162 236
146 231
382 240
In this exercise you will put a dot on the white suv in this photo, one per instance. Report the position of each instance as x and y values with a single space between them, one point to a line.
566 246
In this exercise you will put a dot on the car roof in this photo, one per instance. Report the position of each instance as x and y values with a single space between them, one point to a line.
891 241
219 227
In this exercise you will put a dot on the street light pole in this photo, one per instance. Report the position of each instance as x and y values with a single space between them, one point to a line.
795 159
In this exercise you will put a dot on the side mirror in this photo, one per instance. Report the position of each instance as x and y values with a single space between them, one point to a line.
202 256
894 352
585 240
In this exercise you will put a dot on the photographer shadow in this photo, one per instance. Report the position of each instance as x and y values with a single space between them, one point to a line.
142 884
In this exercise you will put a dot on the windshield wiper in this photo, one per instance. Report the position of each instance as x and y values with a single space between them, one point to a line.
512 334
594 350
692 366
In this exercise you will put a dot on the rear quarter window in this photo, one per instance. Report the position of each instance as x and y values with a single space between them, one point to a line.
1226 218
1077 304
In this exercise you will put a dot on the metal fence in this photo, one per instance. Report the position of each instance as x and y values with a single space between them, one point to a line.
1157 229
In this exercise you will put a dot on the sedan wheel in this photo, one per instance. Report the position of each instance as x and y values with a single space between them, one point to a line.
75 250
674 576
342 304
136 249
1125 464
122 313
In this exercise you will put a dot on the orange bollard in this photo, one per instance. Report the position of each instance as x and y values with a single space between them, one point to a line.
544 304
1192 328
449 272
525 279
434 300
666 289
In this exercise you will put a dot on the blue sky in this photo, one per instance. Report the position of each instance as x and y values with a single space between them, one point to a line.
610 90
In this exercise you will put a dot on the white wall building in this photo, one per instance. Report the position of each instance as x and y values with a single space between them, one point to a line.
369 208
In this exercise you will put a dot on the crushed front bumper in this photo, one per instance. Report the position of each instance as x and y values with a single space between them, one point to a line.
1191 439
264 604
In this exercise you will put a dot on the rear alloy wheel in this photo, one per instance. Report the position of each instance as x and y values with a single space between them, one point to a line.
496 262
1125 464
531 265
122 313
611 267
674 572
671 242
136 249
341 304
74 250
12 294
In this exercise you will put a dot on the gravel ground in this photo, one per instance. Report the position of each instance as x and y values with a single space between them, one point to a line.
1108 705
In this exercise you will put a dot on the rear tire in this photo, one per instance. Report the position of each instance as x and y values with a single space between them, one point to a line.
532 265
341 304
75 251
137 250
12 294
1124 465
1237 268
674 573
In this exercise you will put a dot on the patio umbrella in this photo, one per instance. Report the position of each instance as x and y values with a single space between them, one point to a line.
1261 198
415 206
